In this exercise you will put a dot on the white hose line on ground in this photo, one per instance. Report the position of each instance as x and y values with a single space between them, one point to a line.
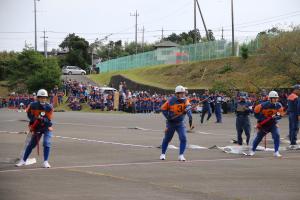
146 163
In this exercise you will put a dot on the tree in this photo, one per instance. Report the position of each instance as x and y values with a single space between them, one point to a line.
117 49
261 39
78 54
211 36
282 54
6 58
31 71
244 51
46 77
185 38
173 38
192 34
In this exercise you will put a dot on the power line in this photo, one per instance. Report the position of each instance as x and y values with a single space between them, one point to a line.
130 33
181 8
271 18
286 15
242 26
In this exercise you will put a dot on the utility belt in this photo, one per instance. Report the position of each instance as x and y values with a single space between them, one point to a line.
266 125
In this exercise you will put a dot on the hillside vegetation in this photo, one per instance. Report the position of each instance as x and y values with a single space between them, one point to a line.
276 64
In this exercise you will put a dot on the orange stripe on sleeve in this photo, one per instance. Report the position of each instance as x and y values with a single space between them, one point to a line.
292 97
257 108
49 114
281 111
165 106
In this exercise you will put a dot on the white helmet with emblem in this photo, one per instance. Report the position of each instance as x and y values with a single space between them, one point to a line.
273 94
42 93
179 89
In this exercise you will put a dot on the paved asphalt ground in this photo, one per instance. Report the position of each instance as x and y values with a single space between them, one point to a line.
100 156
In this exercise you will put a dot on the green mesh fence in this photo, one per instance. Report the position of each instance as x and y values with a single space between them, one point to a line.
174 55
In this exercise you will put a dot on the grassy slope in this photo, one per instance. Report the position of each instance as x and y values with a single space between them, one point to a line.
242 75
85 108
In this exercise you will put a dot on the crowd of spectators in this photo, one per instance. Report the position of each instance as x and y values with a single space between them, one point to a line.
17 101
76 95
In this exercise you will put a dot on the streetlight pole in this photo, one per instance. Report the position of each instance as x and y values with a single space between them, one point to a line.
35 34
232 29
195 23
136 16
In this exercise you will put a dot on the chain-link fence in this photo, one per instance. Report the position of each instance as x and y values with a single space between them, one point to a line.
174 55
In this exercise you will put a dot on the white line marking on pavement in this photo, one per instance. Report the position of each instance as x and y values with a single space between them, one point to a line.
103 126
90 125
124 127
216 134
143 163
12 132
104 142
190 146
9 120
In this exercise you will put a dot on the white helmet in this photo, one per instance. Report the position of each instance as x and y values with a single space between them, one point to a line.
273 94
42 93
179 89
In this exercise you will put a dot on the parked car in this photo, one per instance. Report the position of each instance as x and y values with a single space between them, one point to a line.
105 90
72 70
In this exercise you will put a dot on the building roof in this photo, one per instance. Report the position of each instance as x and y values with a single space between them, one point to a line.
165 44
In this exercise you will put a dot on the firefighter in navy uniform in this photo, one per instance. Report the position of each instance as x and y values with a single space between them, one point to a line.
294 115
40 115
219 99
205 99
268 114
174 110
243 109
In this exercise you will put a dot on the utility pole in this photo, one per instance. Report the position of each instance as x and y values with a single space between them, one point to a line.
92 46
136 44
195 22
45 44
202 20
222 34
35 34
143 38
162 33
232 29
